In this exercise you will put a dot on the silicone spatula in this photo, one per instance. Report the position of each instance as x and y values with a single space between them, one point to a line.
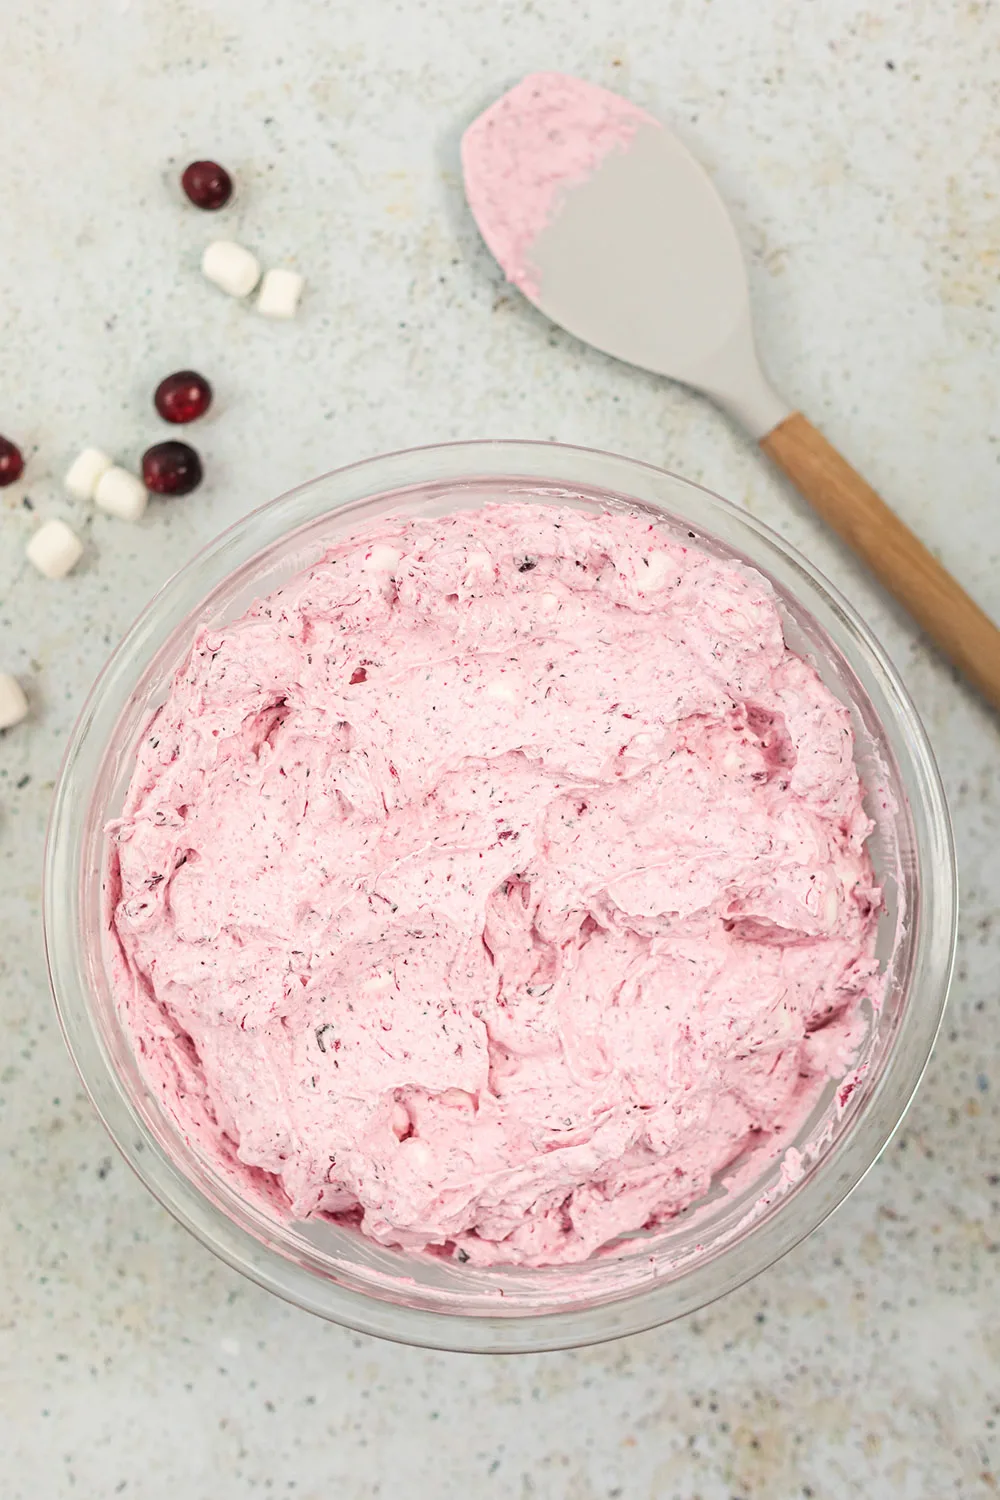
608 224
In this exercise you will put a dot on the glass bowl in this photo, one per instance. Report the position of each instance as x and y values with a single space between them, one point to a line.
749 1220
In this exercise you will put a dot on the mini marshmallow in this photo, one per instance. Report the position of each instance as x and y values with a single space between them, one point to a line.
84 473
381 558
503 689
121 494
54 549
231 267
658 568
279 293
831 909
457 1099
378 984
13 703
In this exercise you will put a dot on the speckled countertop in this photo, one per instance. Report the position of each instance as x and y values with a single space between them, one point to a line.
859 148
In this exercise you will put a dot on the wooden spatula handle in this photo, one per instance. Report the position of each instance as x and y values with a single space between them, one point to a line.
903 564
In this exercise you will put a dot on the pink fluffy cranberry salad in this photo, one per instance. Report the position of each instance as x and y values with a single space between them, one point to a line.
495 884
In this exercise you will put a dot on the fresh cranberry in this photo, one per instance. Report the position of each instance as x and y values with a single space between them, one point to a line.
171 469
207 184
11 462
183 396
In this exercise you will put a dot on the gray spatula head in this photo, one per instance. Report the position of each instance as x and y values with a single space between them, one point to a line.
606 222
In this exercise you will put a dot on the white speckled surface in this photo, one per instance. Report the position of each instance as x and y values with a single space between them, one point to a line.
859 149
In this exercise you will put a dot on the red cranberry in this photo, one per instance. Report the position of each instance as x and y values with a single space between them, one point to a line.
11 462
171 469
207 184
183 396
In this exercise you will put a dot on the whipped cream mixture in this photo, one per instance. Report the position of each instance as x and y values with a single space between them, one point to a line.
495 884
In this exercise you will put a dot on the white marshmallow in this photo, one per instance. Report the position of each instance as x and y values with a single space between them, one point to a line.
418 1153
13 703
457 1099
381 558
231 267
655 574
54 549
279 293
378 984
121 494
84 473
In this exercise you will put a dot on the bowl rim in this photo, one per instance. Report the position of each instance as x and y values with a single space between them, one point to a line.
771 1238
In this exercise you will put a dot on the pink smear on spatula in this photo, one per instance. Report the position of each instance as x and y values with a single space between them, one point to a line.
522 155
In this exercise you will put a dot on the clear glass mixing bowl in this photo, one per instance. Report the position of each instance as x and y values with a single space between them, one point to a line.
747 1222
